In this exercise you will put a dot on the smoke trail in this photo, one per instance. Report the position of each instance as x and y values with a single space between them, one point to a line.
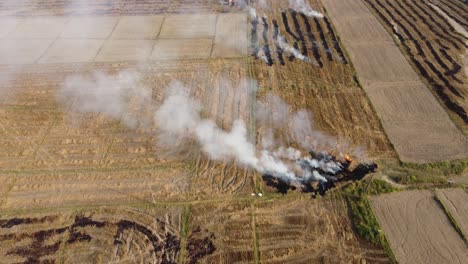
295 52
178 120
116 96
301 6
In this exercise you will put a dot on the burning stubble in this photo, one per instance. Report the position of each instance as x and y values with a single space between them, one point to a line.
179 120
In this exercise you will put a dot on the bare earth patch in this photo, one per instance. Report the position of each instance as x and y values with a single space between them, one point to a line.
418 229
455 201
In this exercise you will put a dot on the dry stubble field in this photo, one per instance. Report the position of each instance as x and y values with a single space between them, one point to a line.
416 124
76 181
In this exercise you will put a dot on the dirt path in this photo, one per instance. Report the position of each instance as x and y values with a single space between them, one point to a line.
415 122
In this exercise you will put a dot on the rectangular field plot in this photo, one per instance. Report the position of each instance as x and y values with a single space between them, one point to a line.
42 28
122 38
172 49
455 202
381 62
28 51
309 231
90 235
138 27
72 50
188 26
231 36
89 27
414 120
125 50
418 229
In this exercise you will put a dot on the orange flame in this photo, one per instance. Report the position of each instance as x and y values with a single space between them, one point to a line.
348 158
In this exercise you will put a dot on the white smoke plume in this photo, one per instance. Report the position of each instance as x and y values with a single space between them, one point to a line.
303 7
116 96
178 119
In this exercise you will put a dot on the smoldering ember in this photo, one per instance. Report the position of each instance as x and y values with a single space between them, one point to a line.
233 131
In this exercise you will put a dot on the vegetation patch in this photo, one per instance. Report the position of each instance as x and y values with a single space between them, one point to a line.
364 221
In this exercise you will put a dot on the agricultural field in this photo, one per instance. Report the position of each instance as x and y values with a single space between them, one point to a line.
417 228
405 105
454 201
114 118
433 46
328 88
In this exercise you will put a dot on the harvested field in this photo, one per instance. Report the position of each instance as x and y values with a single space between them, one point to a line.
231 224
122 235
304 231
40 138
311 37
113 39
100 7
454 201
339 107
386 69
432 45
85 185
418 229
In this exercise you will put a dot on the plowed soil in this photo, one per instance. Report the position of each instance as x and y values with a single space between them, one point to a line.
417 228
454 201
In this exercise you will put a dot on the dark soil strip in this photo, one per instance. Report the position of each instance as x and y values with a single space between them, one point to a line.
448 71
266 46
443 79
456 67
439 89
336 44
299 32
284 17
312 41
323 39
279 50
429 23
9 223
450 13
254 37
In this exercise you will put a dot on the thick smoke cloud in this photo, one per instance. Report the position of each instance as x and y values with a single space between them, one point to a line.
178 119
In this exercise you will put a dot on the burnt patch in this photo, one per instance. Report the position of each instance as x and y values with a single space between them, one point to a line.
9 223
298 29
436 78
279 50
165 244
199 245
312 40
327 178
254 37
336 44
266 46
323 39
